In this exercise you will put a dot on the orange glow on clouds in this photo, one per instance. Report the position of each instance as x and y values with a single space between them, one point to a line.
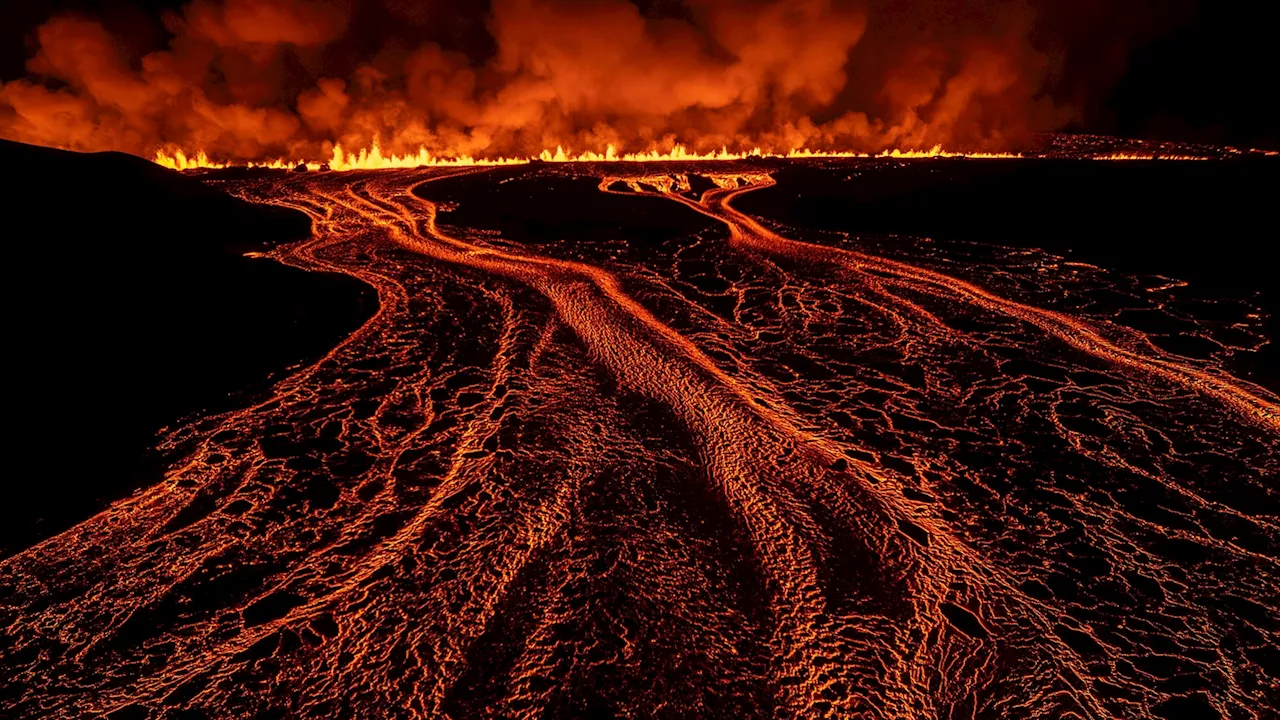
253 81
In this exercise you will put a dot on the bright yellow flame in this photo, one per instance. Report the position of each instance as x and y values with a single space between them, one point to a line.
937 151
179 161
372 158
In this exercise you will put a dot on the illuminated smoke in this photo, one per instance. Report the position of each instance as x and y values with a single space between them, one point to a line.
263 79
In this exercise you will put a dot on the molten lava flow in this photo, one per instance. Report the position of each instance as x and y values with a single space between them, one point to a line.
721 473
1251 401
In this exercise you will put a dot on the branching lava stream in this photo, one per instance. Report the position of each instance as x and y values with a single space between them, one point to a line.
737 475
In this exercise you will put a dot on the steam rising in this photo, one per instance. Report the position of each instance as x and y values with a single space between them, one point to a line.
254 79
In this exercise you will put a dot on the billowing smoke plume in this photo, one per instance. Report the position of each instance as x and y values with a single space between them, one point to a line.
249 79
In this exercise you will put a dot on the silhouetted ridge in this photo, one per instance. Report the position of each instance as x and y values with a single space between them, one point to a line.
131 305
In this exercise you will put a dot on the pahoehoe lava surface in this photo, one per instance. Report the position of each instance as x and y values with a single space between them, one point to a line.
687 463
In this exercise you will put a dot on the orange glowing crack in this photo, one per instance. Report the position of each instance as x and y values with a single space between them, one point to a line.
528 484
1250 400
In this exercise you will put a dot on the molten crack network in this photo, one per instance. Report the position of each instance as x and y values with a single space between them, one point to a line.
755 472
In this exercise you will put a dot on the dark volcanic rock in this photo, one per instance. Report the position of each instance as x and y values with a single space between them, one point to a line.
130 304
1193 221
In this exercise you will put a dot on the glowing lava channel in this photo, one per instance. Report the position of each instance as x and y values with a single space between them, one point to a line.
545 479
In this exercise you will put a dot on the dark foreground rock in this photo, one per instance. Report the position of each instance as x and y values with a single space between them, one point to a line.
129 303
